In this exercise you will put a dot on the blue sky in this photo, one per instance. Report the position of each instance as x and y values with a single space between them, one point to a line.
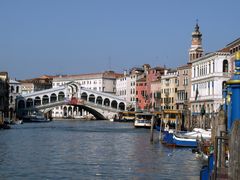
83 36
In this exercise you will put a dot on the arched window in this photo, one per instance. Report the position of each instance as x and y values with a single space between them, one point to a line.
17 89
11 99
224 84
225 66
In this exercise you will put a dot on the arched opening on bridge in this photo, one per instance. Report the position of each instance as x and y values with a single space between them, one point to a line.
53 98
121 106
65 111
37 101
73 90
99 100
61 96
45 99
29 103
92 98
114 104
21 104
106 102
84 96
91 111
70 111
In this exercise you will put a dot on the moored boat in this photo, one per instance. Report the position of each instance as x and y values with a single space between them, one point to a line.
125 116
35 118
184 141
143 120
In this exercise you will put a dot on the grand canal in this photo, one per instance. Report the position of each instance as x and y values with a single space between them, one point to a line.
72 149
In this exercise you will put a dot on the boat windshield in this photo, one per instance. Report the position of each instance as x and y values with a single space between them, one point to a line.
144 116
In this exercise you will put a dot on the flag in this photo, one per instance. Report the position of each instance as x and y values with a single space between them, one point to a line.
196 94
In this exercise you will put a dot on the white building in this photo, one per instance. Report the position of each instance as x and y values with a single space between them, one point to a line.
126 85
123 87
209 73
14 91
104 82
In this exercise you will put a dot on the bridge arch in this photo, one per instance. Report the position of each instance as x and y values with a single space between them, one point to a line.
74 89
106 102
99 100
91 98
53 98
92 111
29 103
114 104
37 101
84 96
121 106
61 96
45 99
21 104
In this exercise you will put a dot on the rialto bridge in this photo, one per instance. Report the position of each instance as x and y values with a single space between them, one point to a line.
72 100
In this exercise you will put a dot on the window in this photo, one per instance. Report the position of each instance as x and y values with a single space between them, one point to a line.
12 89
225 66
11 99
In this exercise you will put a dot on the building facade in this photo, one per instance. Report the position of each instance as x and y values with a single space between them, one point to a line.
144 94
126 85
14 91
209 73
184 87
169 84
36 84
156 95
233 48
4 96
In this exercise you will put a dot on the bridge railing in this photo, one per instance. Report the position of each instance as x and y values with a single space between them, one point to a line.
49 105
76 101
43 92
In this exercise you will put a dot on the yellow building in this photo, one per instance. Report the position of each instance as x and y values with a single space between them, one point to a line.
169 83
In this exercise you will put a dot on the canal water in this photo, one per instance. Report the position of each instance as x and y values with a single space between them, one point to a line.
72 149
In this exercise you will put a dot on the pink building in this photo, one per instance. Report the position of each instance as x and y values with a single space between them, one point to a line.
145 97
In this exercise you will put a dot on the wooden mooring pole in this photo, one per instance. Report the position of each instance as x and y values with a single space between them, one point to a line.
152 124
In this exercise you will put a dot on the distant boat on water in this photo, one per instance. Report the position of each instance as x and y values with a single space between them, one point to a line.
35 118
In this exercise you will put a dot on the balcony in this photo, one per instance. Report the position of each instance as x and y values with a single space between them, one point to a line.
178 101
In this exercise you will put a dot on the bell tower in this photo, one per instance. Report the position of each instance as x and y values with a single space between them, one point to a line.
196 49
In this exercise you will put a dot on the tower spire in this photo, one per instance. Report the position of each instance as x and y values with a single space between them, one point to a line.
196 50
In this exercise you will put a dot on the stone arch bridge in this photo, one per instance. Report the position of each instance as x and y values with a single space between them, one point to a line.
99 104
